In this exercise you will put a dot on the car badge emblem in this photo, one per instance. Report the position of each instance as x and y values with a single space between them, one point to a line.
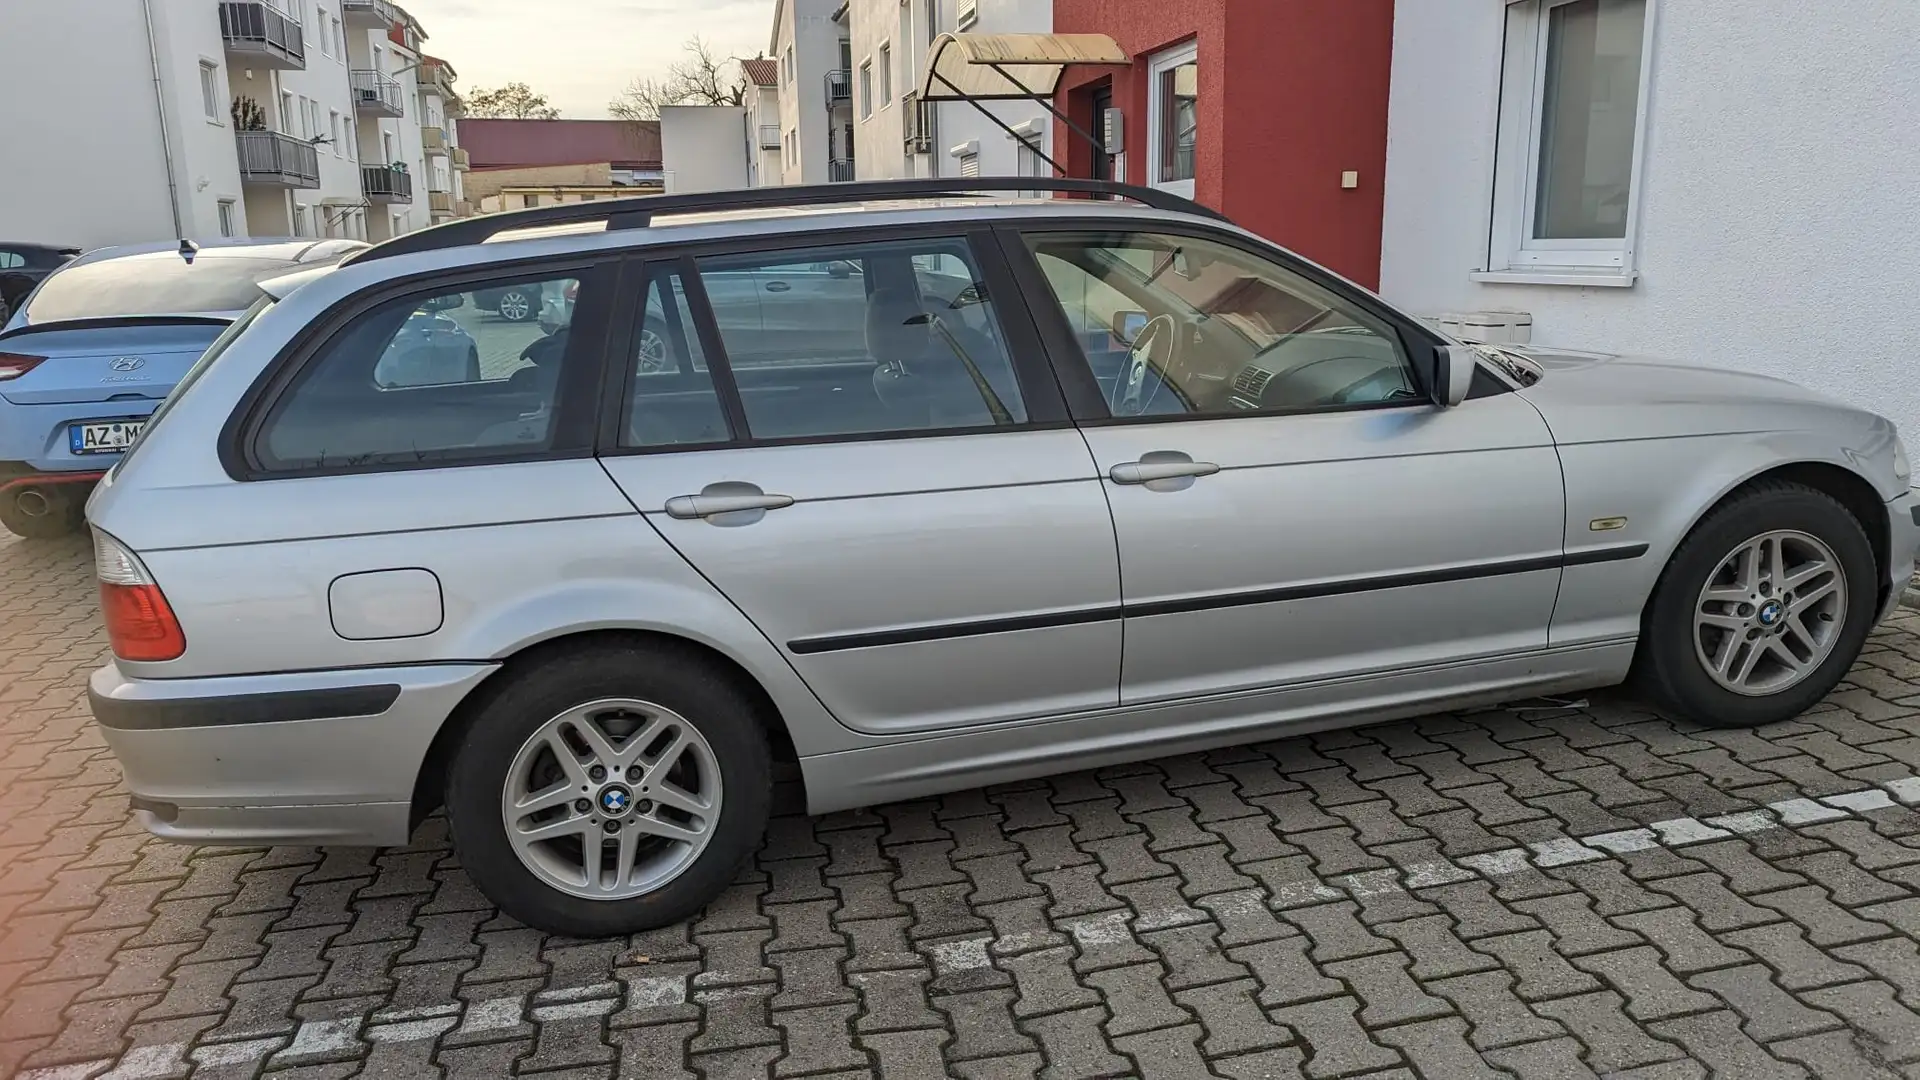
615 800
127 363
1770 613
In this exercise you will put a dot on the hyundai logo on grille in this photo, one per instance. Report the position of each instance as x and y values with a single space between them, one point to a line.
127 363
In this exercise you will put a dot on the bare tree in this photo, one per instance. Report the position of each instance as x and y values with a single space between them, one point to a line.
514 101
700 78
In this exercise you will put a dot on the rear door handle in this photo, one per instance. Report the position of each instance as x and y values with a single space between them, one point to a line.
1150 469
711 503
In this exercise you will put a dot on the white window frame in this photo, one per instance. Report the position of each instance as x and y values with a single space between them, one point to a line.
1157 65
333 132
866 89
886 74
966 14
1514 255
210 91
225 209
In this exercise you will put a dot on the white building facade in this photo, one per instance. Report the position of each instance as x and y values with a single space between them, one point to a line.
231 118
895 135
810 42
1716 182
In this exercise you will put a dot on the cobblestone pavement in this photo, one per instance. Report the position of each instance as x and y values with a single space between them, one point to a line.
1538 893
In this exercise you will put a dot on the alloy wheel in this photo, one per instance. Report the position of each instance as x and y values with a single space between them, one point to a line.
514 306
1770 613
612 800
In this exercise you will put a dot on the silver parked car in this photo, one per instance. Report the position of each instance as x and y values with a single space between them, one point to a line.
1011 487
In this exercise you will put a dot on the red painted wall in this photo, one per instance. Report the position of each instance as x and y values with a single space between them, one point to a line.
1292 94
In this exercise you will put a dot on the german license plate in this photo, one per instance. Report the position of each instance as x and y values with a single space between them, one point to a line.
110 437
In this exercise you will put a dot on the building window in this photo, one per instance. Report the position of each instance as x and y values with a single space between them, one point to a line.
333 132
324 32
866 90
969 13
226 217
529 200
353 139
1174 118
299 219
1572 125
210 90
340 41
288 118
886 75
386 148
786 65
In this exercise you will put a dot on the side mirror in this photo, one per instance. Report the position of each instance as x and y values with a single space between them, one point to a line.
838 269
1453 370
444 302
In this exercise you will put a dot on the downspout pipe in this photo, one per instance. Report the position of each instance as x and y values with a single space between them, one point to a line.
160 107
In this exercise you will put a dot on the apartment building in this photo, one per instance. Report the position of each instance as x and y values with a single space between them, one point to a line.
766 141
811 43
896 135
203 118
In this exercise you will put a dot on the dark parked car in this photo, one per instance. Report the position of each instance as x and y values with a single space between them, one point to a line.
21 268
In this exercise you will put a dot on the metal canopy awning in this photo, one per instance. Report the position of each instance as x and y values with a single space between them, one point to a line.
975 68
1009 67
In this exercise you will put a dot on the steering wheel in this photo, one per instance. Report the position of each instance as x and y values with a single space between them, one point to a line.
1160 337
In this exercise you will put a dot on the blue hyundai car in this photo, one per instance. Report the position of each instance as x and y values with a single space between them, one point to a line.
99 343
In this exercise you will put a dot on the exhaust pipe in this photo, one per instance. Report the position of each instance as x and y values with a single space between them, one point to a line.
33 503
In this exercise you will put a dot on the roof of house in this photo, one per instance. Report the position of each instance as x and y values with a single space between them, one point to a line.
762 71
509 144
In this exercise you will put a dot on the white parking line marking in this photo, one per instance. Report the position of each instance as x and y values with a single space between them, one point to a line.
1109 928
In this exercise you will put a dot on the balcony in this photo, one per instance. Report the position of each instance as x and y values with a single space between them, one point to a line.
839 89
433 139
268 157
440 202
368 14
770 137
462 208
840 170
262 35
376 95
461 161
386 185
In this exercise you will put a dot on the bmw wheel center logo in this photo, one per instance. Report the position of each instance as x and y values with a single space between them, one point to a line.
1770 612
616 800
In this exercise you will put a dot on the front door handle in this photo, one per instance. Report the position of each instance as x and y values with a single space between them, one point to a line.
732 502
1154 467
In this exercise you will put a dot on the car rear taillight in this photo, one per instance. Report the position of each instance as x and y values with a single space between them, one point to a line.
140 624
13 365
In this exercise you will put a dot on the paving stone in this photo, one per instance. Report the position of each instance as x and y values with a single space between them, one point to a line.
1439 1048
1074 1047
1543 973
1233 1019
907 1055
1552 1059
983 1025
1652 993
1497 1016
1286 975
1767 1012
1615 1041
1836 1054
1335 933
1436 950
1336 1044
1166 1052
1716 1040
1389 995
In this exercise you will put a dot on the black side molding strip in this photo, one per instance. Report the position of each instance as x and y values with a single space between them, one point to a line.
274 708
1107 613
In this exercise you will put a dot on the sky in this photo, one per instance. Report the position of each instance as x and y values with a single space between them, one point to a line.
582 53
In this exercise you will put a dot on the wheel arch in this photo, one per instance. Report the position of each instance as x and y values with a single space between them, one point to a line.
430 782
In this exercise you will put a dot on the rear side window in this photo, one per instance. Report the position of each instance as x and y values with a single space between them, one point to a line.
459 375
863 339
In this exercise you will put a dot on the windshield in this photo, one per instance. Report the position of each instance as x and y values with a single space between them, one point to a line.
193 374
156 283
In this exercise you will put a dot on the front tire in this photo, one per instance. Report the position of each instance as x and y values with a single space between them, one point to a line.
611 790
1761 611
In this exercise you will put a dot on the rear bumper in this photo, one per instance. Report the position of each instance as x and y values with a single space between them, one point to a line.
310 758
17 474
1903 548
35 436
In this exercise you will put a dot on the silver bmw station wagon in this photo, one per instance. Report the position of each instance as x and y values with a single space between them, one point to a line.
917 490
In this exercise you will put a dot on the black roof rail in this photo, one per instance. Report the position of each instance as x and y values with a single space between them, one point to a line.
638 212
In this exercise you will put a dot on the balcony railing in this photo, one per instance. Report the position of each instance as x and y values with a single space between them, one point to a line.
461 160
463 208
268 157
434 139
267 36
368 14
839 88
440 202
840 170
386 185
770 137
376 94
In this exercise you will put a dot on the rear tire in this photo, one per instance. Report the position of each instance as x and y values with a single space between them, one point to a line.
491 766
1726 641
64 514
